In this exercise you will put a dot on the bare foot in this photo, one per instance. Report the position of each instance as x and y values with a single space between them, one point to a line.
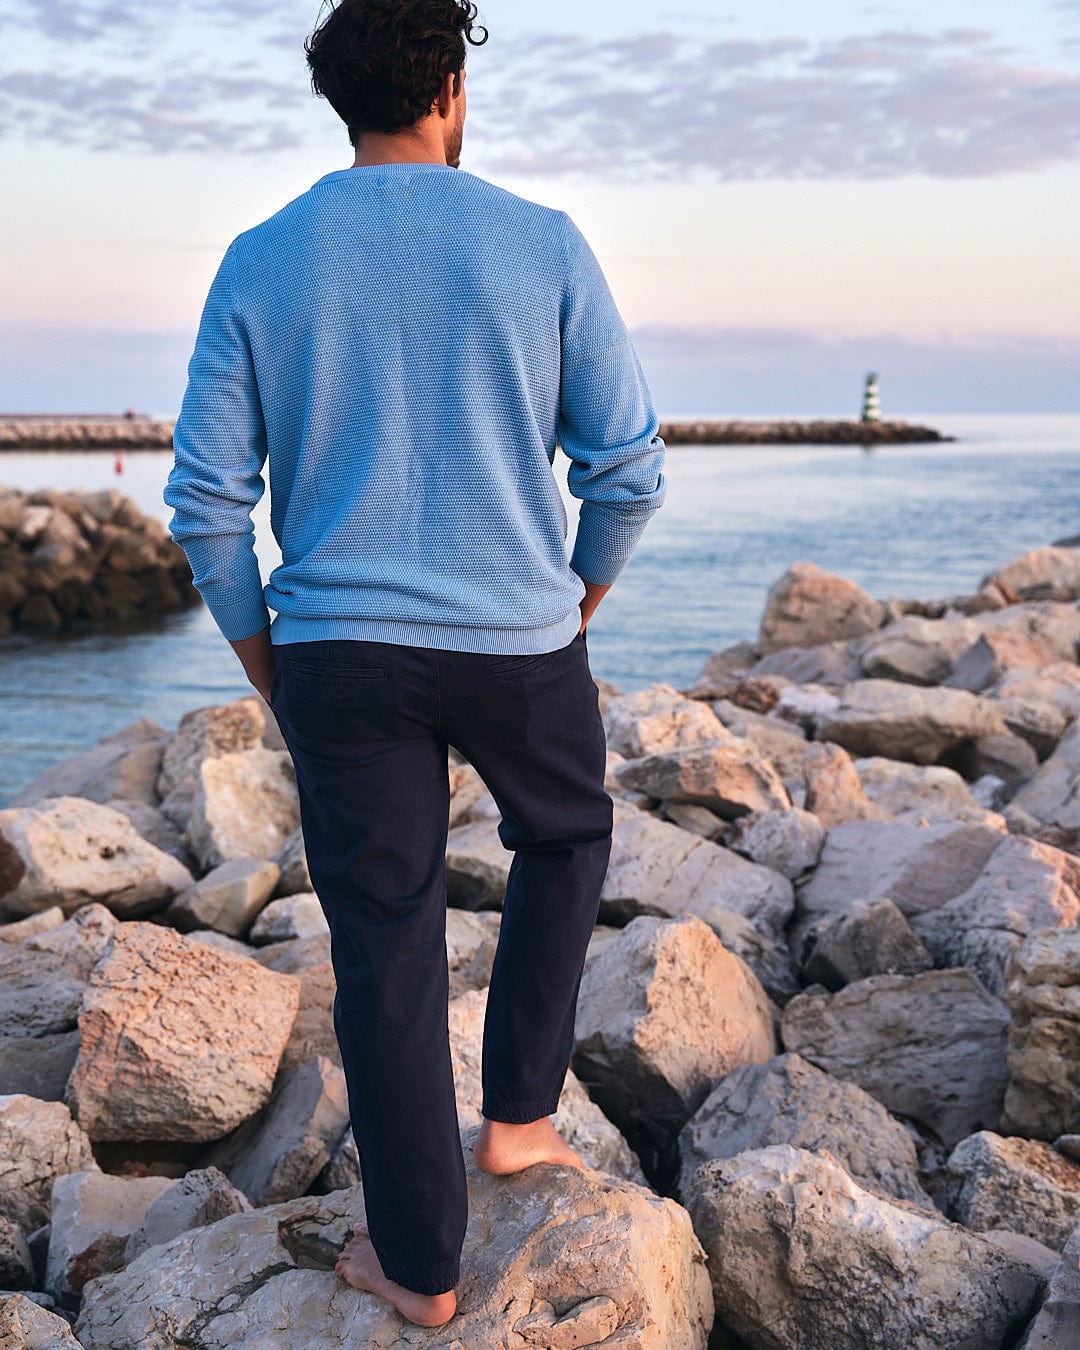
359 1266
501 1148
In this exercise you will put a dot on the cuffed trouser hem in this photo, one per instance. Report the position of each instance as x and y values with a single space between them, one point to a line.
519 1113
434 1280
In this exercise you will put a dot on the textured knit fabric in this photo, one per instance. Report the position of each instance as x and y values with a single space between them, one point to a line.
405 345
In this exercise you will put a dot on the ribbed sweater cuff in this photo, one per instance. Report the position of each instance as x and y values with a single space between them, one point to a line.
606 538
226 574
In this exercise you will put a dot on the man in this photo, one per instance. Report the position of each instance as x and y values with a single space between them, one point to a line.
406 343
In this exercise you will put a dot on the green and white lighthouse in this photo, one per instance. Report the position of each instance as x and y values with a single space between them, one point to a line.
871 404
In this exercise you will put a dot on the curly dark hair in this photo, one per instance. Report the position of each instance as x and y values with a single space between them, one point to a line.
380 63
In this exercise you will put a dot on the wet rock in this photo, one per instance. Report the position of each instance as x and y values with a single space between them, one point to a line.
901 721
1042 978
72 851
788 1101
779 1222
658 719
870 939
808 607
39 1141
1019 1184
662 1014
94 1214
788 842
245 805
227 899
169 1047
728 778
900 1037
200 1197
538 1246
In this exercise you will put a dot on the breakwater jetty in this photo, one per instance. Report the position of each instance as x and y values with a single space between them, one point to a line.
99 431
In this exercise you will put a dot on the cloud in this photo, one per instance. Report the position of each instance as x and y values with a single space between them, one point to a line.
656 105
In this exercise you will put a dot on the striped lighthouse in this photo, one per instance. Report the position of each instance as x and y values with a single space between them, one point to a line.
871 404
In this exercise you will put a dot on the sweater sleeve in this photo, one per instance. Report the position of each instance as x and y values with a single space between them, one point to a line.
219 444
607 425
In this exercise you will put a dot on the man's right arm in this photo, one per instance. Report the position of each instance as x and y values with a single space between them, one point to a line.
607 426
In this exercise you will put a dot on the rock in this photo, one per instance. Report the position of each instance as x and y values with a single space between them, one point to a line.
1019 1184
94 1214
870 939
245 805
900 721
293 916
658 719
42 981
802 705
1069 1144
1043 1260
313 1031
1052 794
696 819
169 1047
916 651
471 940
292 861
228 899
72 851
778 1224
834 790
992 655
827 663
156 828
917 867
1007 757
467 788
277 1154
1039 705
788 842
721 668
1042 978
16 1265
1024 886
900 1037
552 1259
788 1101
125 764
766 956
295 956
807 607
774 739
1057 1326
1042 574
198 1198
26 1326
39 1141
38 1066
18 930
728 778
205 734
912 791
662 1014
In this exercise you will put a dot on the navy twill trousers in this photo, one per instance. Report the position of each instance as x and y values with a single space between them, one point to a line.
368 725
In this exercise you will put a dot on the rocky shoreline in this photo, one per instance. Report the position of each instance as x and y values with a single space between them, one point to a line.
83 559
826 1076
119 433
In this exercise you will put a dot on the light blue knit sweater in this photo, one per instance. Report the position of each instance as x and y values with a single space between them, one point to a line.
406 344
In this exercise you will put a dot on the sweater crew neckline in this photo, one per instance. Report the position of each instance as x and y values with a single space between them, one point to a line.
394 168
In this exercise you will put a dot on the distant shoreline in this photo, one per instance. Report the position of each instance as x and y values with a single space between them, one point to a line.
21 432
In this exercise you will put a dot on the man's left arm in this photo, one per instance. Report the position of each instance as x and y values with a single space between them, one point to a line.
219 444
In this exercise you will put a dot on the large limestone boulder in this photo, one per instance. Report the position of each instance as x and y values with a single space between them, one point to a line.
553 1256
658 719
244 806
199 1197
900 1037
727 777
66 851
24 1325
788 1101
901 721
93 1215
39 1142
1042 978
169 1046
808 607
205 733
1019 1184
125 764
1043 574
663 1013
802 1256
915 650
1057 1325
1024 886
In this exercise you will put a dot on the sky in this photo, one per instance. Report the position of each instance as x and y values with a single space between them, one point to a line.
783 196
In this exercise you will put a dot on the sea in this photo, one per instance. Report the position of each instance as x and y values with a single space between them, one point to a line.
913 521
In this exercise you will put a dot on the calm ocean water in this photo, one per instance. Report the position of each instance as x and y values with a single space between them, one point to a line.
911 521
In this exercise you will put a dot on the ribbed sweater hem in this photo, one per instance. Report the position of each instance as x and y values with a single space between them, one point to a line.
417 633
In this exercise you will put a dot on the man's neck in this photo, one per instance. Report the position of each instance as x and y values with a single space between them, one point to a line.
375 149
